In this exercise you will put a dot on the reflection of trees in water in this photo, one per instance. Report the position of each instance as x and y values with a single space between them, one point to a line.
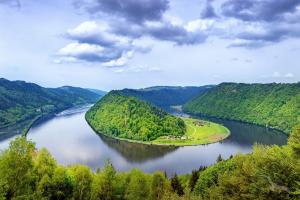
135 152
245 134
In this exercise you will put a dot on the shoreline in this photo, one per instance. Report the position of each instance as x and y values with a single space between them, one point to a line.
236 120
157 144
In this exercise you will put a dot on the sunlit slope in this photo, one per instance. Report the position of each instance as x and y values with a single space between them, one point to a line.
272 105
130 118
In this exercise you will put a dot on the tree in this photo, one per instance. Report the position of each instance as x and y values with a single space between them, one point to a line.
158 186
103 183
176 185
61 184
193 179
82 179
44 163
16 166
294 140
219 158
138 187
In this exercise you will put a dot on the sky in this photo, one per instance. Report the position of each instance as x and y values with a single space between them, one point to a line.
115 44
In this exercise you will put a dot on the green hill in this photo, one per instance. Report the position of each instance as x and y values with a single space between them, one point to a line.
273 105
165 96
127 117
21 103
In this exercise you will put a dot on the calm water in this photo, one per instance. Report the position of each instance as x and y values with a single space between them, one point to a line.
70 140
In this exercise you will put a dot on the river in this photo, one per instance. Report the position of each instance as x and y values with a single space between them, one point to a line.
70 140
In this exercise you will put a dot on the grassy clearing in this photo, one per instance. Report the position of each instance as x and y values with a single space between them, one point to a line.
198 132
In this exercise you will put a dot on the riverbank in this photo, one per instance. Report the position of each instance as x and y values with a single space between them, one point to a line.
198 132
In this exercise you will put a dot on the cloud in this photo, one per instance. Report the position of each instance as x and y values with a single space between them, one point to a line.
208 11
92 33
95 43
135 19
131 10
88 52
259 10
166 30
245 23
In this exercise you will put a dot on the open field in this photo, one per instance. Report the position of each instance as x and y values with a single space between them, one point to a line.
198 132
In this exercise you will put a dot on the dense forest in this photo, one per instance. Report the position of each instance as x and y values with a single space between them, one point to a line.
165 96
21 102
270 172
127 117
273 105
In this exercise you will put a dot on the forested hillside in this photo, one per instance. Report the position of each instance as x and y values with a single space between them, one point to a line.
272 105
128 117
21 102
165 96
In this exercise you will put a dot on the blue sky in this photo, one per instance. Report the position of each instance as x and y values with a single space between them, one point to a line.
112 44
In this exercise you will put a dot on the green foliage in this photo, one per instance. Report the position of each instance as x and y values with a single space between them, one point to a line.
138 186
21 102
272 105
176 185
127 117
16 166
104 184
294 140
268 173
193 179
81 180
159 186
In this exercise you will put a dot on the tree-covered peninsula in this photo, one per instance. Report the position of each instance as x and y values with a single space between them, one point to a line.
121 116
272 105
127 117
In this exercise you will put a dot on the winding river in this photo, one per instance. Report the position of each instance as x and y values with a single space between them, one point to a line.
70 140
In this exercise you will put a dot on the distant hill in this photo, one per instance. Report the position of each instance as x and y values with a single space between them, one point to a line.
128 117
165 96
99 92
273 105
21 102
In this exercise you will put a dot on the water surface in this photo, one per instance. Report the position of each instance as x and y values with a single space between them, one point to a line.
70 140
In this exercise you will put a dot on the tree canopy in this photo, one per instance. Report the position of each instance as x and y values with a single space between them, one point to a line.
128 117
272 105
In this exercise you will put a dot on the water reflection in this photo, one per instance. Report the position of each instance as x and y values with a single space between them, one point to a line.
70 140
135 152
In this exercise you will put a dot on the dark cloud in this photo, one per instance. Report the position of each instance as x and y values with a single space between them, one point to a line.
209 11
135 19
137 11
163 31
259 10
177 34
276 21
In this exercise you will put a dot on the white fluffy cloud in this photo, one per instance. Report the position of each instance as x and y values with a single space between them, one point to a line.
95 43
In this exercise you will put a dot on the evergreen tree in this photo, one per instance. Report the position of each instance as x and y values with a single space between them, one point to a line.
176 185
219 158
193 180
